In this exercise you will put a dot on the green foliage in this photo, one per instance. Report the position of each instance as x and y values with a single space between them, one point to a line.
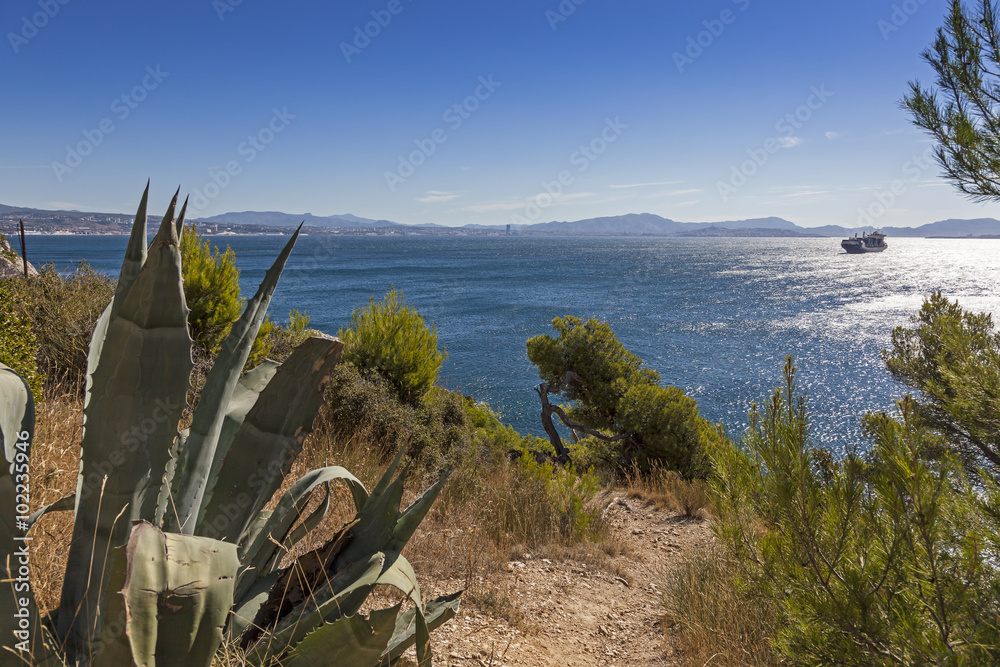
63 311
592 351
966 57
883 559
952 358
277 341
389 338
530 503
211 289
570 494
18 346
443 431
640 422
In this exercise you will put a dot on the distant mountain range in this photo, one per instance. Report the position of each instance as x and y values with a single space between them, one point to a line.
633 224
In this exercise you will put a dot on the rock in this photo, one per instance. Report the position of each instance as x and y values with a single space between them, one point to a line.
11 264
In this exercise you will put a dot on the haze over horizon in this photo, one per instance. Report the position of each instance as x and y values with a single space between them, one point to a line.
457 113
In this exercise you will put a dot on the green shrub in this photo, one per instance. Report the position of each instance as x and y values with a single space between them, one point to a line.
889 558
533 503
277 341
436 431
211 289
18 347
390 339
63 311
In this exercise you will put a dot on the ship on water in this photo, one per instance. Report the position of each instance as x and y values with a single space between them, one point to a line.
874 242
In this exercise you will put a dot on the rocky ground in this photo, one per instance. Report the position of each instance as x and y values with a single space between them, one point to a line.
569 612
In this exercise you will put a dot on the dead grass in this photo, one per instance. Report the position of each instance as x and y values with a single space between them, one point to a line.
55 463
710 619
668 491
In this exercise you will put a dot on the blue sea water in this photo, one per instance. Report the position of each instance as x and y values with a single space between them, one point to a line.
713 316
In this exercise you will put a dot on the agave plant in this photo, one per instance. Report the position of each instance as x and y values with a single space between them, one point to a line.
172 551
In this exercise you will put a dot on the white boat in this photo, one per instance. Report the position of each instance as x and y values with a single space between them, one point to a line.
874 242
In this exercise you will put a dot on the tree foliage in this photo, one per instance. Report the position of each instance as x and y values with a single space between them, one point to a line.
889 558
390 339
613 397
951 357
63 311
966 122
18 346
211 289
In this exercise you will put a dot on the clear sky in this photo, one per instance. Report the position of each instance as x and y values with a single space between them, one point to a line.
455 112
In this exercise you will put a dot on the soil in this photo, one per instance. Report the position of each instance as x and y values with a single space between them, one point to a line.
569 612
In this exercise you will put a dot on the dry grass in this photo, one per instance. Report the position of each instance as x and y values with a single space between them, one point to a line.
669 491
710 619
55 463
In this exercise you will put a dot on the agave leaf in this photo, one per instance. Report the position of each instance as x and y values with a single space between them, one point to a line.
399 573
411 517
263 551
176 591
436 613
135 256
17 418
244 396
180 217
424 655
352 640
269 439
377 518
362 576
196 457
137 396
61 505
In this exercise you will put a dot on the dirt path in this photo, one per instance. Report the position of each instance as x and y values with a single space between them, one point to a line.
575 613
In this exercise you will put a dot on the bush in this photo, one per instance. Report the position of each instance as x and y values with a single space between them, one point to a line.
527 503
63 312
18 347
887 558
667 428
390 339
275 341
211 289
437 431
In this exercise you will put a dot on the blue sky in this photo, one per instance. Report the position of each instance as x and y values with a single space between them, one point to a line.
467 112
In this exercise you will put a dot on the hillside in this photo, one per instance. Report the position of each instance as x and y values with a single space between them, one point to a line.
631 224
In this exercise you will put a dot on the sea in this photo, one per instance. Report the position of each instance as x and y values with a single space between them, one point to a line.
714 316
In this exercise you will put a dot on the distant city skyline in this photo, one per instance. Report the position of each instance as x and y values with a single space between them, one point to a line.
463 113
